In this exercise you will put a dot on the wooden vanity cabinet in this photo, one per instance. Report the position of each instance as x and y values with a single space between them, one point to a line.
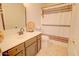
18 50
21 53
39 42
28 48
31 47
31 50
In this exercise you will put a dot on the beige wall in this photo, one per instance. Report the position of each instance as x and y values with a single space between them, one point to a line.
74 46
14 15
33 12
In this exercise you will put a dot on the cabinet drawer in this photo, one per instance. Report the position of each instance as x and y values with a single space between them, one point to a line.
30 41
39 36
39 45
21 53
16 49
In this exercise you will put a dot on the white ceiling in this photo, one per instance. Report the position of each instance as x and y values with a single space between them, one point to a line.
43 4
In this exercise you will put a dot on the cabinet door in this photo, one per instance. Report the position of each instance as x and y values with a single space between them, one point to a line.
39 42
39 45
21 53
32 49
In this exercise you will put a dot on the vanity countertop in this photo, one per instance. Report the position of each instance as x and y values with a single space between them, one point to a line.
12 39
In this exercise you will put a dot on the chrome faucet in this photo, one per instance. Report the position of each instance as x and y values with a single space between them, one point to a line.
21 31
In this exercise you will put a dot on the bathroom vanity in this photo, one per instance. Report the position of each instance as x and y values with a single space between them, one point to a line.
28 44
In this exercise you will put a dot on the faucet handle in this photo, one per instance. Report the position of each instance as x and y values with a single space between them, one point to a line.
22 29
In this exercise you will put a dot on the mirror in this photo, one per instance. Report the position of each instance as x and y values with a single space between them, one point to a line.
14 15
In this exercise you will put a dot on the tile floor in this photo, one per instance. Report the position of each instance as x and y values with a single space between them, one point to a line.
52 48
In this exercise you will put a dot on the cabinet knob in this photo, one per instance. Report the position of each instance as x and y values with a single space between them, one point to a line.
73 42
22 52
16 49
